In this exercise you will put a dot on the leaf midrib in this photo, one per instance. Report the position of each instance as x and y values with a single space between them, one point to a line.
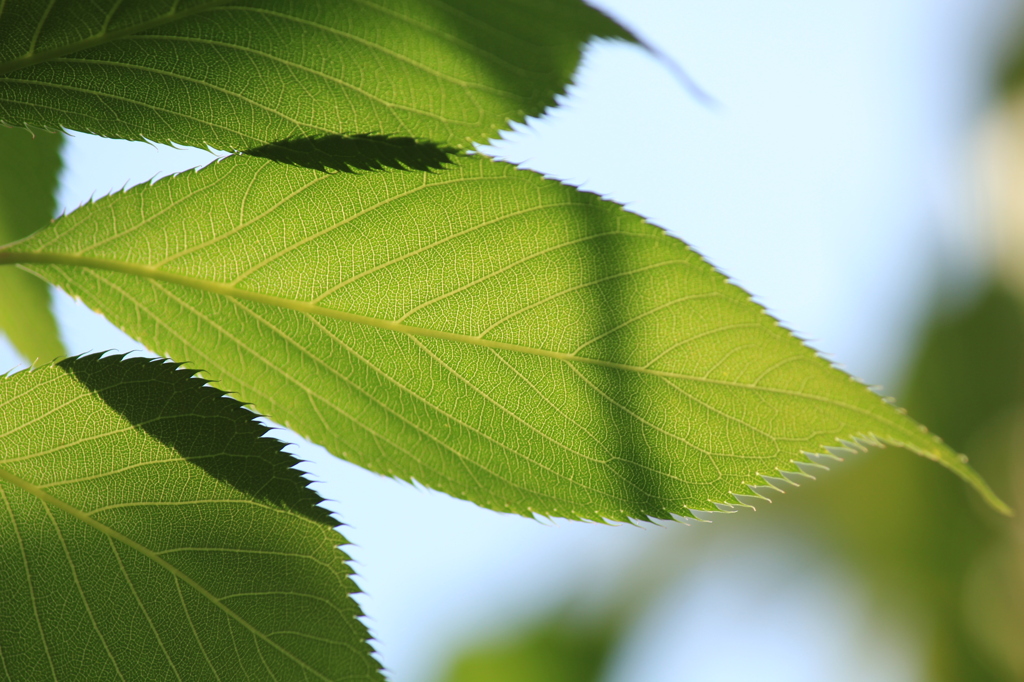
149 272
78 514
34 57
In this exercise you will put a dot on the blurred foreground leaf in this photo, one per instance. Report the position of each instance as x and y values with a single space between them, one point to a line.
483 330
153 533
29 164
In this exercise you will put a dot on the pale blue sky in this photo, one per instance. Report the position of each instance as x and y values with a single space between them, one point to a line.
828 182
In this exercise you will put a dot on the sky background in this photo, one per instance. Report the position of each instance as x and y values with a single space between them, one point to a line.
829 178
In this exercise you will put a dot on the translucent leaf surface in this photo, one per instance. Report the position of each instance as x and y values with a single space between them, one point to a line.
238 74
151 532
490 333
29 163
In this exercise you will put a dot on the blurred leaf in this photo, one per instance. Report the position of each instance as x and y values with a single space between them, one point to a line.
579 637
485 331
154 533
239 74
550 651
1009 76
970 368
917 536
29 164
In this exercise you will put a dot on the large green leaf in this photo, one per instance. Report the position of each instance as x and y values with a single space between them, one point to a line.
235 74
151 532
483 330
29 163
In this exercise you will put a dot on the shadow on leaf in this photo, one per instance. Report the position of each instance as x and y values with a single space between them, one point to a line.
349 154
205 426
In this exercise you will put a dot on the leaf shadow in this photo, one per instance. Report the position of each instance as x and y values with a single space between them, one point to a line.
202 424
353 153
635 446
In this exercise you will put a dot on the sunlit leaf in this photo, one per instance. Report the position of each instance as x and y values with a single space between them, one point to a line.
29 163
152 532
483 330
235 74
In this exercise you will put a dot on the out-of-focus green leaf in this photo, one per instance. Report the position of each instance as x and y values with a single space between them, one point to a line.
918 538
152 532
580 637
236 74
550 651
29 164
483 330
970 367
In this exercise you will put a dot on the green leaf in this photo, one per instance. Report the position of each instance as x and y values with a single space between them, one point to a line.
966 377
29 164
569 643
483 330
238 74
554 650
153 533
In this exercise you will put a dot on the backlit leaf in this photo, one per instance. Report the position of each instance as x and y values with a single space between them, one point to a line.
236 74
152 532
483 330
